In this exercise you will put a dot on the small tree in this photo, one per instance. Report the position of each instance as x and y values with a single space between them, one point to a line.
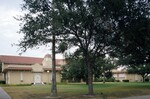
75 68
105 66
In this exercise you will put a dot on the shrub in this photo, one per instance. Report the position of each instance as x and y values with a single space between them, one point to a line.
106 80
125 80
146 80
117 80
2 82
110 80
98 79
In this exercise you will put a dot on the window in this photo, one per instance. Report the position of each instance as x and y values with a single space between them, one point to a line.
21 76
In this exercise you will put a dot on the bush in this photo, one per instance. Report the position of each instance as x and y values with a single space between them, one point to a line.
117 80
98 79
146 80
110 80
125 80
2 82
106 80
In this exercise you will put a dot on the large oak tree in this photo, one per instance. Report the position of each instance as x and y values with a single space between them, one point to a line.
86 26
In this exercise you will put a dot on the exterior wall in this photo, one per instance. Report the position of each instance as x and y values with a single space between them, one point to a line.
46 77
134 77
27 77
58 76
47 62
119 76
19 77
1 76
131 77
4 66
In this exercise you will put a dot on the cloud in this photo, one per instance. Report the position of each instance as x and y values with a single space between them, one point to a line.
8 30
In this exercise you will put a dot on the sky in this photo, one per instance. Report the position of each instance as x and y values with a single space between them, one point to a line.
9 28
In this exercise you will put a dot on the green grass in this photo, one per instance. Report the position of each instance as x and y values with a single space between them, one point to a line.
78 91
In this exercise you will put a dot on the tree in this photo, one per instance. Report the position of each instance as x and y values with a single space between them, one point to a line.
87 27
132 37
39 28
143 70
104 66
75 69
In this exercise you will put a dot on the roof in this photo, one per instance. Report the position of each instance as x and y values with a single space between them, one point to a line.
18 68
25 60
115 71
20 60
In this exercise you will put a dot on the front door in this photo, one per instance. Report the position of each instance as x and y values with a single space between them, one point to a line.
37 78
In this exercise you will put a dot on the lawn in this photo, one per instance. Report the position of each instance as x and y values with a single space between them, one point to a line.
78 91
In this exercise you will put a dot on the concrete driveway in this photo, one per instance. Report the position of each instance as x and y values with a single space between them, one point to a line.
3 94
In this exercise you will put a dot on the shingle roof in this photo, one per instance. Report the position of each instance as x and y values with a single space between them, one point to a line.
25 60
18 68
20 60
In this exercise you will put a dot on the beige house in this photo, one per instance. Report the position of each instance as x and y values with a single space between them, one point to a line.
122 74
29 70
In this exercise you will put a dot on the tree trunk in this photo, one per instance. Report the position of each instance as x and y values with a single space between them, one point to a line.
54 87
90 80
104 78
90 76
143 77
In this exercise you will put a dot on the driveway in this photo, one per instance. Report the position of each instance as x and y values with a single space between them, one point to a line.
3 94
138 97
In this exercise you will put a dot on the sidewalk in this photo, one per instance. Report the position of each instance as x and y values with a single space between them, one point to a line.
138 97
3 94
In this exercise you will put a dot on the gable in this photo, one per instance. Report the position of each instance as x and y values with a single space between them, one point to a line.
37 68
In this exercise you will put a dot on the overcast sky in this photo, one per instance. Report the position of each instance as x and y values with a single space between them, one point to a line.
9 27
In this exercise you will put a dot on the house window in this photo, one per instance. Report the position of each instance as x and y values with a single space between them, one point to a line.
122 75
115 75
21 76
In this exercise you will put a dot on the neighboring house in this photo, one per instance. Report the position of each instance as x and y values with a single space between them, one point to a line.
122 74
29 70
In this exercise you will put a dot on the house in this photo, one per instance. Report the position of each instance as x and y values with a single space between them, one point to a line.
29 70
122 74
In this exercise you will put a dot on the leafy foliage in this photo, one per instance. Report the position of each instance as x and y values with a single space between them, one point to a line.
75 69
132 37
86 26
37 23
143 70
119 28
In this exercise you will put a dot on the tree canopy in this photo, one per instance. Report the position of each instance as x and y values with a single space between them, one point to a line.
86 26
132 37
